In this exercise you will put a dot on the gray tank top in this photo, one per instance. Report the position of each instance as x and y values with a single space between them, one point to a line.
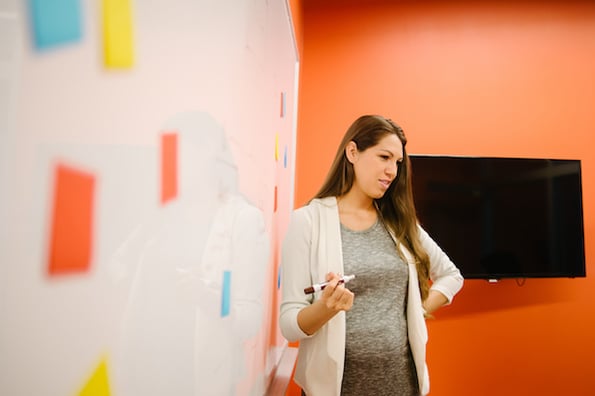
378 359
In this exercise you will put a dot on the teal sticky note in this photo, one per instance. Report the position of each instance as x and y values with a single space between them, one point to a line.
55 22
226 293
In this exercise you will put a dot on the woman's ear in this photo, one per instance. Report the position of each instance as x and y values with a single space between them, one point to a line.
351 151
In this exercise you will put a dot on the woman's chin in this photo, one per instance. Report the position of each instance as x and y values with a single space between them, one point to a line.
378 194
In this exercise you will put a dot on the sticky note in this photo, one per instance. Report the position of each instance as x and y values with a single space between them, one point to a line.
285 157
277 147
274 301
71 230
55 22
118 33
226 294
283 104
275 200
169 166
98 384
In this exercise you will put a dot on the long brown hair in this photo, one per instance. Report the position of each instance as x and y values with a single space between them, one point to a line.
396 206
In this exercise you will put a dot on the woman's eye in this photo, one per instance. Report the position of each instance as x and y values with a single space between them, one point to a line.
384 157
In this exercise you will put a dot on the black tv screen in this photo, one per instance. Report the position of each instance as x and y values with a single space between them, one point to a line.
503 217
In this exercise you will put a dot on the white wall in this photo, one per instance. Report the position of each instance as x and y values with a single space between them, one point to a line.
204 69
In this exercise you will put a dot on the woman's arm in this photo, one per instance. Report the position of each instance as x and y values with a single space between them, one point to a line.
295 273
446 278
434 301
303 314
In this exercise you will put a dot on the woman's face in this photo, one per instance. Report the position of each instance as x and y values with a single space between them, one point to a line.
376 167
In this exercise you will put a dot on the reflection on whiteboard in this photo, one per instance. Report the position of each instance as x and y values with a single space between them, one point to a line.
196 296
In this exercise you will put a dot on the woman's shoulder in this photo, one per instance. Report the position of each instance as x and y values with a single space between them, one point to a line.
313 209
321 203
423 234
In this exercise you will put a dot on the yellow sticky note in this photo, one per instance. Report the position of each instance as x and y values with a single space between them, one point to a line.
117 33
98 384
277 147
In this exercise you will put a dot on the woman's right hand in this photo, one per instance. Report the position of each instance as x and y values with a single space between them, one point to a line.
335 295
334 298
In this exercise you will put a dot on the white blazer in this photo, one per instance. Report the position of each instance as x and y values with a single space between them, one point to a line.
311 249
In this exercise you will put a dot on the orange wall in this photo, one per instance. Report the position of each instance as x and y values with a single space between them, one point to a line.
296 11
470 78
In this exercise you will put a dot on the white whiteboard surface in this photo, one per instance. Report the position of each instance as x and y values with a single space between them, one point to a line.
149 306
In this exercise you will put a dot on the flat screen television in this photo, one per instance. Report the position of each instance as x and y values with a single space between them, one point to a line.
503 217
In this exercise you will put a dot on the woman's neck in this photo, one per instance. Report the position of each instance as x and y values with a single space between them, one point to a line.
354 202
355 212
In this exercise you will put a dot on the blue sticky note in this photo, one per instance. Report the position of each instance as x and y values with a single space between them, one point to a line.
55 22
285 158
279 279
226 293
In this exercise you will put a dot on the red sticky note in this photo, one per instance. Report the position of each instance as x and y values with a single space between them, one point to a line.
275 200
169 166
71 232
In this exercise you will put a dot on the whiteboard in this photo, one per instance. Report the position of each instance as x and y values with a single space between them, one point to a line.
142 208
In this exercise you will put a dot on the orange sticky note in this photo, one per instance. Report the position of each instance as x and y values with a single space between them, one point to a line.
169 166
71 232
98 384
117 33
274 298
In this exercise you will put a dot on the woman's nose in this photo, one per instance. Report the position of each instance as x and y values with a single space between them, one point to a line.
391 169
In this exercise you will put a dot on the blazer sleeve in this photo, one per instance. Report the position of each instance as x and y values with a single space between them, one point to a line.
445 276
295 273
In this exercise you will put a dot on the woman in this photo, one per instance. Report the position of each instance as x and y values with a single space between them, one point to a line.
367 337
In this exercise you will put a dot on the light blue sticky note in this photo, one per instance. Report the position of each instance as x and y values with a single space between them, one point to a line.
279 279
226 293
55 22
